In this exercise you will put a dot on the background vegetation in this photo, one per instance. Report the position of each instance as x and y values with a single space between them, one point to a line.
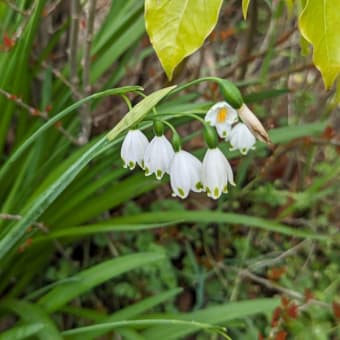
89 249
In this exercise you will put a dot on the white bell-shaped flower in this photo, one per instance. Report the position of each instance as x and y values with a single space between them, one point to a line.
216 173
158 156
185 174
242 139
133 149
222 116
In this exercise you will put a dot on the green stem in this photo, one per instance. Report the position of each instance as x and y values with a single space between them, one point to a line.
127 101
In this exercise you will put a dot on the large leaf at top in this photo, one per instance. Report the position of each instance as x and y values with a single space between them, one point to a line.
177 28
319 24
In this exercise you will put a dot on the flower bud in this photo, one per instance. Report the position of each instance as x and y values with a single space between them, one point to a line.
231 93
210 136
253 124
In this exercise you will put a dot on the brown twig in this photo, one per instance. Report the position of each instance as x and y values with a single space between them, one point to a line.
260 54
37 113
274 286
63 79
73 44
85 113
296 69
41 226
279 258
11 217
333 142
51 7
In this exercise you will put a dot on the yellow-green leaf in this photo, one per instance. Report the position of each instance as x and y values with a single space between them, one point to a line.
245 5
177 28
319 23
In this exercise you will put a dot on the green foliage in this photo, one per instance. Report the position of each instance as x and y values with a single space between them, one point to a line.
86 280
319 22
178 28
88 245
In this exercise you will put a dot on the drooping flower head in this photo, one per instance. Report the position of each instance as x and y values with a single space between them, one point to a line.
242 139
133 149
216 173
158 156
222 116
185 174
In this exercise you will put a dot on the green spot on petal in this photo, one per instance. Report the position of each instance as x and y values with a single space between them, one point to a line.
181 192
225 189
216 192
159 173
199 186
132 165
147 171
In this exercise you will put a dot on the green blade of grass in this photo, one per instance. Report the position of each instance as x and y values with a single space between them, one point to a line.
94 229
22 332
129 312
89 278
143 323
209 216
31 313
215 315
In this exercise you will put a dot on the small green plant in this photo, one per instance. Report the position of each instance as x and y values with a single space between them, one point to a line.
89 249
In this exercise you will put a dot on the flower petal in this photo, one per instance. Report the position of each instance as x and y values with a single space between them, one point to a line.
241 138
216 173
158 156
185 173
133 148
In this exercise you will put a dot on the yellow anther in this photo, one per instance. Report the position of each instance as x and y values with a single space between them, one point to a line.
222 115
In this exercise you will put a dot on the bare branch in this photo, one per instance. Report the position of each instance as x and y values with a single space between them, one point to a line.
85 113
37 113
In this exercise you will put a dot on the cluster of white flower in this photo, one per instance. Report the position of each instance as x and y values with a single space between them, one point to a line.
223 117
186 171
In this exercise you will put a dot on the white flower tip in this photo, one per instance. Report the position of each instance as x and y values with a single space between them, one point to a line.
214 193
199 187
147 172
244 151
159 174
131 165
181 193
